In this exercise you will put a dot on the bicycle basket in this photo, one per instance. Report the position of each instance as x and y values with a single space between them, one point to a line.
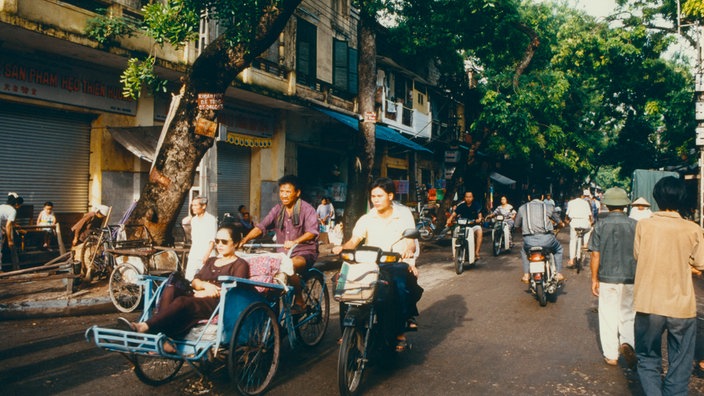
357 282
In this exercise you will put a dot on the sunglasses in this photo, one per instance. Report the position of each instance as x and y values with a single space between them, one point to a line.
223 241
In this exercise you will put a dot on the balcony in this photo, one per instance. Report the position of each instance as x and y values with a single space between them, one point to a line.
405 119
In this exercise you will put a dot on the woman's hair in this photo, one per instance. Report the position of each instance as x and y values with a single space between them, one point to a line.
670 193
234 235
385 184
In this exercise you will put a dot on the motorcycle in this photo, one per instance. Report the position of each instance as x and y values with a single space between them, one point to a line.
463 244
425 225
372 319
500 235
543 274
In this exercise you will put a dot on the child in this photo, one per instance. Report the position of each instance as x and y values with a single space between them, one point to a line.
47 218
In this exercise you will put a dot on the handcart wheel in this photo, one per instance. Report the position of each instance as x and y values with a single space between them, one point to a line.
314 323
254 349
124 287
155 370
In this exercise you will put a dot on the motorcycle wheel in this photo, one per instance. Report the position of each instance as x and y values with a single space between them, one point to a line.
498 242
540 294
459 259
426 233
350 365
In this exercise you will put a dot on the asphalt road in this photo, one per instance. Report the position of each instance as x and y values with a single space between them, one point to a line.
480 333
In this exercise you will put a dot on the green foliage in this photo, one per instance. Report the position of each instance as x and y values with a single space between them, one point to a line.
107 28
171 22
140 74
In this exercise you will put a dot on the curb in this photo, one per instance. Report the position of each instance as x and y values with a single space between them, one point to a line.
56 308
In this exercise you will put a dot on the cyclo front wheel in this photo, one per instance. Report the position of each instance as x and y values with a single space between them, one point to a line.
350 361
155 370
254 349
124 289
314 322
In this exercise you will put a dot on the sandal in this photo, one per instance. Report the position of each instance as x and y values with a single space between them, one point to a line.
401 344
411 324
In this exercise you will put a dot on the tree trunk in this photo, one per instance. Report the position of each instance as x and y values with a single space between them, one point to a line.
363 162
213 71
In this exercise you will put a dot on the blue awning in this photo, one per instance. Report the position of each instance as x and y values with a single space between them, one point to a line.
382 132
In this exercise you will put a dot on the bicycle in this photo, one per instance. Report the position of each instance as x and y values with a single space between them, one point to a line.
581 248
243 334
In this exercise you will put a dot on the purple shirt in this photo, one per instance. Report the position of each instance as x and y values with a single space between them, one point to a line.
308 222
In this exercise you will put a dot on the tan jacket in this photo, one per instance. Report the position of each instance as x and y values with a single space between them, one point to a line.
666 247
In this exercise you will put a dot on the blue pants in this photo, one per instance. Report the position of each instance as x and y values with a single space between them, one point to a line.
543 240
681 336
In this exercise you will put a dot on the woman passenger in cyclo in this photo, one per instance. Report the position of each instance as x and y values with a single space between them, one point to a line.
179 310
505 209
383 227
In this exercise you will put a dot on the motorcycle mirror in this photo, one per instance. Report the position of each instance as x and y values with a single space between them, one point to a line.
412 233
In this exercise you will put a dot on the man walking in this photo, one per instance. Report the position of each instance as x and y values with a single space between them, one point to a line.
666 247
613 270
204 226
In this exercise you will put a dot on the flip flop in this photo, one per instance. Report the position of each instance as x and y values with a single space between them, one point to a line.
411 325
401 345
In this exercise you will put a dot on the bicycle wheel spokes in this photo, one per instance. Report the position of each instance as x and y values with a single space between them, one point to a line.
125 292
254 349
311 327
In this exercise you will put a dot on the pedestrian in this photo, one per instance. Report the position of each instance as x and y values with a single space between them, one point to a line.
325 212
8 213
666 248
613 272
204 226
640 209
47 218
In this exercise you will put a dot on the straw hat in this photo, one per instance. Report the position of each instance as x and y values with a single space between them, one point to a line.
615 196
640 202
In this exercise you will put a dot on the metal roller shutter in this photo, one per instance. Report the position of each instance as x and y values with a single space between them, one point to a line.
233 177
44 156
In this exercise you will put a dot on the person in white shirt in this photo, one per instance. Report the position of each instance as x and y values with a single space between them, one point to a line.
579 212
640 209
204 226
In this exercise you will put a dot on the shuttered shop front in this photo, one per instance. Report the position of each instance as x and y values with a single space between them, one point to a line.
233 177
44 156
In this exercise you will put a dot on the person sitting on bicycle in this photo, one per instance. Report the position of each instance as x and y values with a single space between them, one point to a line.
505 209
383 227
295 223
90 222
579 214
471 211
180 308
535 218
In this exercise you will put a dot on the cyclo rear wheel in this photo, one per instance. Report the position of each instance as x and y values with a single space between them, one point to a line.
350 361
315 320
155 370
125 292
254 349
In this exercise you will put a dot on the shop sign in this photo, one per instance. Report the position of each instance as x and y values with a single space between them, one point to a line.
449 172
452 156
370 116
699 141
63 82
209 101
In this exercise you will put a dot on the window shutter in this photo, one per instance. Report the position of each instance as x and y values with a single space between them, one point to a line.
340 64
353 80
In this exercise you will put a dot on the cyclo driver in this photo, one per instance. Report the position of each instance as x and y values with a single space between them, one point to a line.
536 221
471 211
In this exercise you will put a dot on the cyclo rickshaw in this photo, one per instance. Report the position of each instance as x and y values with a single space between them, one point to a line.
244 332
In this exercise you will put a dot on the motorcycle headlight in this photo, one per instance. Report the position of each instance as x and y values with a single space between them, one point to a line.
499 218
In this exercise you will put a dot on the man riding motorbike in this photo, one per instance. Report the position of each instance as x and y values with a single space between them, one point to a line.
536 220
472 211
